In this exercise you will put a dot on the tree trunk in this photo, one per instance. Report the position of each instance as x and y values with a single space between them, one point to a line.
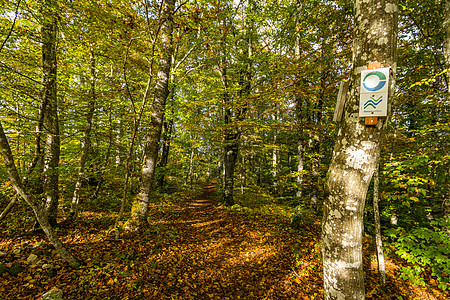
8 208
190 170
447 66
298 106
168 127
376 215
447 41
38 210
355 155
74 208
140 206
51 124
232 128
446 205
243 174
316 138
300 161
315 164
231 153
276 163
230 143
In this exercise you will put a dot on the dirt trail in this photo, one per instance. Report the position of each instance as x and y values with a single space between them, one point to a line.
218 255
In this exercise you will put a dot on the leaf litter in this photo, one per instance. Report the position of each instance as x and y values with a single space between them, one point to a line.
193 249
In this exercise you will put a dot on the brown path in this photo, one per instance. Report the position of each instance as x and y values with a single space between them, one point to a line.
218 255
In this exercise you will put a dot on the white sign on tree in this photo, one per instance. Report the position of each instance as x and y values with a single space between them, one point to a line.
374 93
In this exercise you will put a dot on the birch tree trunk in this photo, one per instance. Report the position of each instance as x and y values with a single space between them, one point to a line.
51 124
355 154
139 210
74 208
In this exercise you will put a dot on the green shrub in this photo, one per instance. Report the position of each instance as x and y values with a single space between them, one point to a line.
424 248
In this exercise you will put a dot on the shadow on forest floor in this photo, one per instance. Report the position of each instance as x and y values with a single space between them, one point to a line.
194 249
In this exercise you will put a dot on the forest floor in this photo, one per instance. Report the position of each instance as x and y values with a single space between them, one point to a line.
194 249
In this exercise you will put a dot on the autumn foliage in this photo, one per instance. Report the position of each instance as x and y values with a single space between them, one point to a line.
194 249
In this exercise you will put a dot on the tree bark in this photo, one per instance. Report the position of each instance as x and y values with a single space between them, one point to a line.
378 239
190 171
51 124
447 41
234 115
167 137
315 135
230 140
355 154
74 208
446 203
140 206
298 106
276 163
243 174
8 208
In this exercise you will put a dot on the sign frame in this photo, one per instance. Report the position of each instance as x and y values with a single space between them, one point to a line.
374 92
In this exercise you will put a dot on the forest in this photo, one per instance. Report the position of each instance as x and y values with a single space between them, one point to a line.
163 149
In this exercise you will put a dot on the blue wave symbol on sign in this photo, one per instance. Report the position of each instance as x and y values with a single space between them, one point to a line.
373 103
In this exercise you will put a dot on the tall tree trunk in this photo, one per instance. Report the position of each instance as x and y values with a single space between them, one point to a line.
230 143
190 170
315 164
298 105
232 128
447 41
243 174
315 138
231 153
86 144
140 206
376 215
355 154
51 124
118 156
446 203
276 164
38 210
168 127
